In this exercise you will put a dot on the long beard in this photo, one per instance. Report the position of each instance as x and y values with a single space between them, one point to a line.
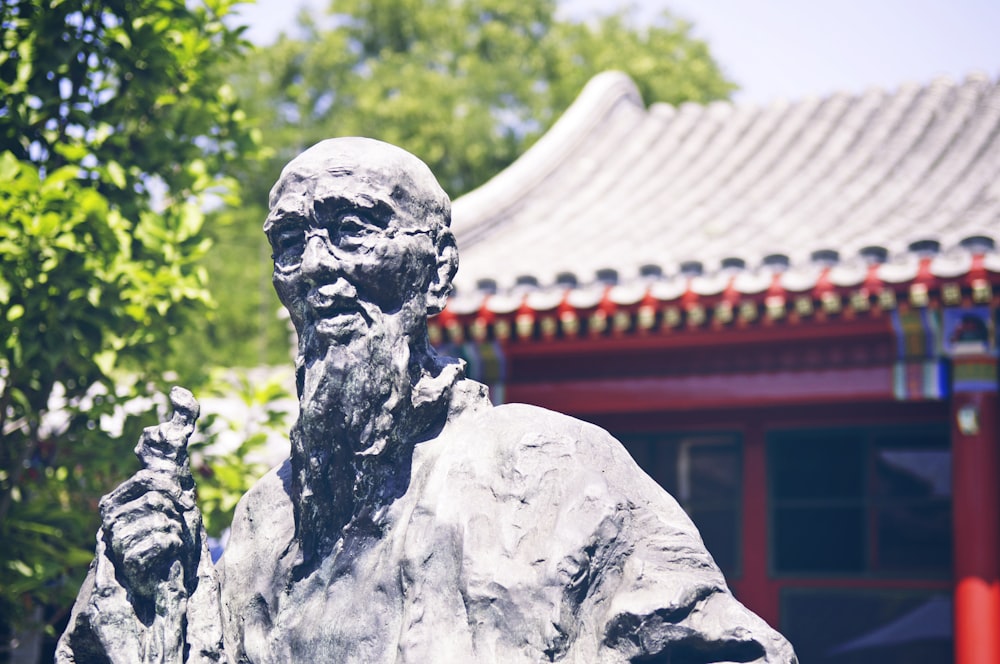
347 442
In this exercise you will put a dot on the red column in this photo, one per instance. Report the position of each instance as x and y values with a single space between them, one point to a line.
976 513
754 588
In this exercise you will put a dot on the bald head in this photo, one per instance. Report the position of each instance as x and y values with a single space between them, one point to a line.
375 165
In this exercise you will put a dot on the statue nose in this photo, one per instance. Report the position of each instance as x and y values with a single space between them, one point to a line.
318 261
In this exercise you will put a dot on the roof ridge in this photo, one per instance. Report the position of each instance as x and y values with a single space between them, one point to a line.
473 212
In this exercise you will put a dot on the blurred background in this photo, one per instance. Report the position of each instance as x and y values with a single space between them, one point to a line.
790 320
776 49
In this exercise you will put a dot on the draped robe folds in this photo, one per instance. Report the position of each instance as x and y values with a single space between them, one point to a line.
523 536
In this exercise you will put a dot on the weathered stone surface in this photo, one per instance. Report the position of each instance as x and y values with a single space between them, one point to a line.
151 594
413 522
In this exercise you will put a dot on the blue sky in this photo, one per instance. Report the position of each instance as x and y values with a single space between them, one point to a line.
794 48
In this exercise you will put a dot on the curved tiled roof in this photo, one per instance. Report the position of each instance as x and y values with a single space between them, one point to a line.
705 198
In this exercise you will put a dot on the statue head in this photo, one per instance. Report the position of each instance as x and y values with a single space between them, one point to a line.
360 234
362 255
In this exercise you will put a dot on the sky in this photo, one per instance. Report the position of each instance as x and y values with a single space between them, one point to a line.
790 49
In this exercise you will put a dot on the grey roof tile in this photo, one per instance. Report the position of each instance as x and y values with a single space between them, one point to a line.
614 185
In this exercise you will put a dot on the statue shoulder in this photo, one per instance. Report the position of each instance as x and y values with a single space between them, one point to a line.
501 444
537 431
545 459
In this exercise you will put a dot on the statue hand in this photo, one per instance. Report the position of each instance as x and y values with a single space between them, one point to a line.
144 518
144 528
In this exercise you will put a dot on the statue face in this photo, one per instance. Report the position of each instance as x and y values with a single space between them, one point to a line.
350 241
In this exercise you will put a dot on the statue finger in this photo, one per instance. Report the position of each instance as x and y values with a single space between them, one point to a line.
164 447
186 409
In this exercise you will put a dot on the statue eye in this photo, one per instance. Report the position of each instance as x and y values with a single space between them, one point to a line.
347 222
287 243
355 225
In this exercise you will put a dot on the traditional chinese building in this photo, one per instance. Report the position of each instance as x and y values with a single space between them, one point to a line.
788 315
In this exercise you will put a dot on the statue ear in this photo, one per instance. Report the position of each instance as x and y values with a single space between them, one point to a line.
447 266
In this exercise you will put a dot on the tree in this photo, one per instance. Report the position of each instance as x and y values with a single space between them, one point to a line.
466 85
113 130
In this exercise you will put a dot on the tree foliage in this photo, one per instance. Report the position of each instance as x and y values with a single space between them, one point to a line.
466 85
114 126
127 86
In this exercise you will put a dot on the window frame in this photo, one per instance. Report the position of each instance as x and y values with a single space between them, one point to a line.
869 501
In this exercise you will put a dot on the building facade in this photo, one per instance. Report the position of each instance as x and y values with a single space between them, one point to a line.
788 315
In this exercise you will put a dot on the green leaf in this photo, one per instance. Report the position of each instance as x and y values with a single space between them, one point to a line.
9 167
105 361
190 223
116 173
22 568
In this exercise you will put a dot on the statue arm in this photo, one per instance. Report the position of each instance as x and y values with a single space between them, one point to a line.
653 588
151 593
672 602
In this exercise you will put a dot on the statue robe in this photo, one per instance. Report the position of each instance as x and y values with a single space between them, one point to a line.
523 535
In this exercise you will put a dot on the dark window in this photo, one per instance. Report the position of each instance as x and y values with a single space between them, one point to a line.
861 501
704 473
819 539
868 627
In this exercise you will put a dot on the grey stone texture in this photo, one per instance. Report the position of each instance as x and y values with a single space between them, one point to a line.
413 521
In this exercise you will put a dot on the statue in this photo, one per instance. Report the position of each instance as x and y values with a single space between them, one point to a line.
414 521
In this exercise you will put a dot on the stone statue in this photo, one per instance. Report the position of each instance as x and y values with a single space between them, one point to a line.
414 521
